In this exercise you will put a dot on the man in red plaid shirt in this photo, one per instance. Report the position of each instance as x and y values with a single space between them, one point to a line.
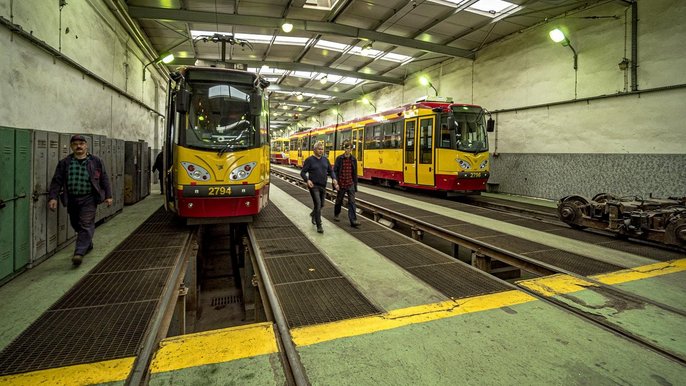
345 168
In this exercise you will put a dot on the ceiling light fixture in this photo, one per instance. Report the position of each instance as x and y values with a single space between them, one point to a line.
366 49
324 79
558 36
287 27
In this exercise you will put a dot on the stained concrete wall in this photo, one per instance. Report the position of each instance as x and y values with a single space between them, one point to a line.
626 144
42 92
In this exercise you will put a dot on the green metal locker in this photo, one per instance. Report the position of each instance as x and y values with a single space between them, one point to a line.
7 202
22 206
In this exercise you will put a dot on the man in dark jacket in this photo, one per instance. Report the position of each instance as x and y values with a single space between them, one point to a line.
345 168
315 170
81 183
158 166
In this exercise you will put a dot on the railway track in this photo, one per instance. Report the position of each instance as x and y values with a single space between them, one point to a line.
481 249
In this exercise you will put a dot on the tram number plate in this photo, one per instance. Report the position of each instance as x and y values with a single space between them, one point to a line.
219 191
472 175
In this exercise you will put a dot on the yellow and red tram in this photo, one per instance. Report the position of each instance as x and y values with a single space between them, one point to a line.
429 144
280 151
216 151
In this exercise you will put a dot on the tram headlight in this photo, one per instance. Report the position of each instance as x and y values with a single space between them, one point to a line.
483 164
196 172
463 164
242 172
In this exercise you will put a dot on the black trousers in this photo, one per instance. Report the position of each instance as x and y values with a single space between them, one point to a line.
318 194
81 211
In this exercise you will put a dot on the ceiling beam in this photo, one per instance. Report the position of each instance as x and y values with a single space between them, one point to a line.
301 67
298 24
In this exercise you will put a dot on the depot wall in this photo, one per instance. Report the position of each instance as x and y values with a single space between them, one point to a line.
40 91
554 135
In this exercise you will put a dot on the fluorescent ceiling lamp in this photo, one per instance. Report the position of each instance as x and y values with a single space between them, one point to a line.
324 5
297 41
490 8
168 59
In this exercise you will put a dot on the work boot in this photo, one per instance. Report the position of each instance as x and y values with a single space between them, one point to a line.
320 229
76 260
336 218
355 224
313 221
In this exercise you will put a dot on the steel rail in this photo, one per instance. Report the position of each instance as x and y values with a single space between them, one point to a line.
531 265
140 370
296 367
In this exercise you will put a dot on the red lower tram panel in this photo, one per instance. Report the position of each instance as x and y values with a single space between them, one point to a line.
220 201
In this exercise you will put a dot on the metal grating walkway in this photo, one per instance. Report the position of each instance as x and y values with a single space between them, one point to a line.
450 277
311 290
106 314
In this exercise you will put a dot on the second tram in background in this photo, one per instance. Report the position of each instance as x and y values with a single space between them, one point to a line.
429 144
280 152
216 150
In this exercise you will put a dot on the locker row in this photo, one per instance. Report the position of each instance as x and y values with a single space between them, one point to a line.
29 231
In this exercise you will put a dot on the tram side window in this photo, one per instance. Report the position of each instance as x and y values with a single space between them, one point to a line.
328 142
425 138
387 136
446 134
294 144
398 134
342 137
369 138
409 142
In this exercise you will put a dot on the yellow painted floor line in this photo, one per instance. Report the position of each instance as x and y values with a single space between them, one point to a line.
565 284
304 336
84 374
234 343
642 272
214 346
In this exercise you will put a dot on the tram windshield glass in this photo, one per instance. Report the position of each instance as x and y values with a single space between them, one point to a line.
219 118
466 131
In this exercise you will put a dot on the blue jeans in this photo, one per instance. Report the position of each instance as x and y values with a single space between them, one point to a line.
82 218
350 191
318 194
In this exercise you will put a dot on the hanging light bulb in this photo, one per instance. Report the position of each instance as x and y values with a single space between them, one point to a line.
324 79
366 49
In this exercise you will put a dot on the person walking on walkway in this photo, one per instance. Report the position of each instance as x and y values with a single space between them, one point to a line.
345 167
158 166
315 170
81 183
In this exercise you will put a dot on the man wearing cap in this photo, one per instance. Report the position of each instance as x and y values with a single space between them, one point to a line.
81 182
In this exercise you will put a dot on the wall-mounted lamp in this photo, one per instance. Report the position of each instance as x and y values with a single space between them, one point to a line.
366 101
287 27
165 58
558 36
426 82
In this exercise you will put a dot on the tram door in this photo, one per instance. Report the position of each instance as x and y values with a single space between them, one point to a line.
357 141
425 152
410 152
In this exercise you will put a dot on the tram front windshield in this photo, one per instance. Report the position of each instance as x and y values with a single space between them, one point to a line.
467 131
219 118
